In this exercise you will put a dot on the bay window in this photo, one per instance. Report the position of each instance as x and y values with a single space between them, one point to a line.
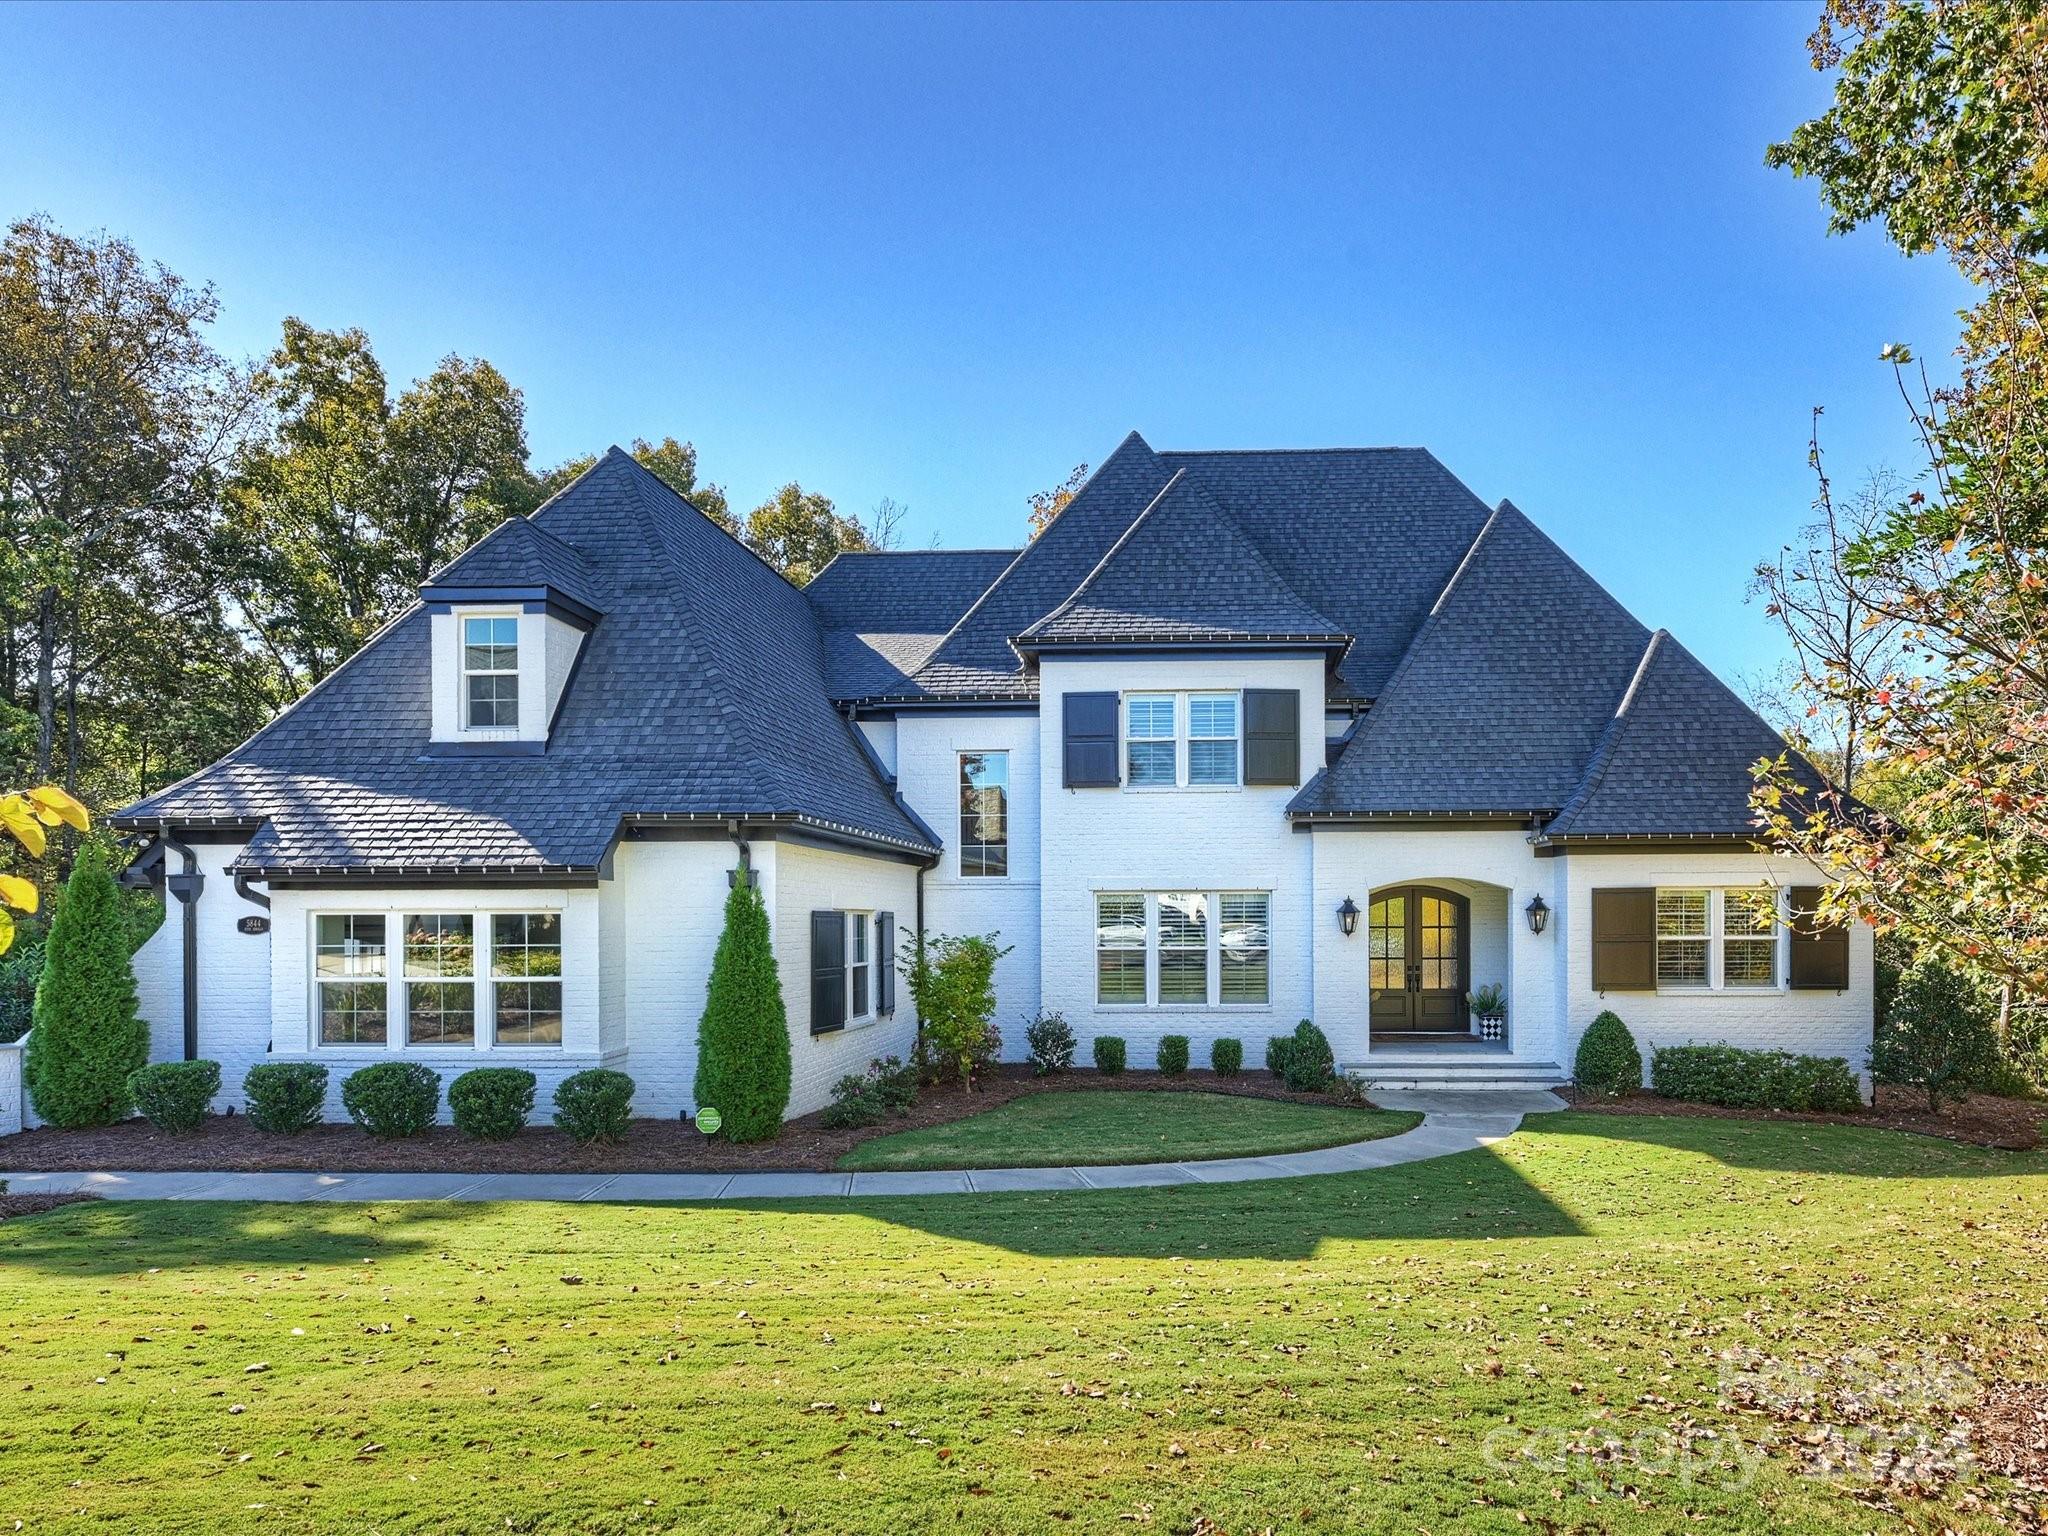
1183 949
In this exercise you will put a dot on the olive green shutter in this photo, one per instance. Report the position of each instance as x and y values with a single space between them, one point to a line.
1820 952
1272 736
1625 939
1090 731
828 972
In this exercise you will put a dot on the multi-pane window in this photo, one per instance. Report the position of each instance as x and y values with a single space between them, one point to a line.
1749 938
526 978
440 979
1183 949
1682 934
984 813
1245 973
1151 748
859 968
1212 738
350 980
1120 949
490 673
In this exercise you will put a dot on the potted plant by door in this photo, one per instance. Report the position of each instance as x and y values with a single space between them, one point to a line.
1489 1012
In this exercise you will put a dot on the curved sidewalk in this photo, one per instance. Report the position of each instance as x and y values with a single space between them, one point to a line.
1451 1123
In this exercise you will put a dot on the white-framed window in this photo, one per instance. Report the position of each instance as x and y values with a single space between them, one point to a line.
1151 743
984 814
440 978
490 672
1183 740
860 971
1183 949
351 990
474 980
1711 939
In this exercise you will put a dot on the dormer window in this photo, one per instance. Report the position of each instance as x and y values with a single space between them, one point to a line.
490 673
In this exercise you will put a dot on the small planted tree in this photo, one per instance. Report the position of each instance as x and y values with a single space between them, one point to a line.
1937 1036
953 981
743 1037
88 1037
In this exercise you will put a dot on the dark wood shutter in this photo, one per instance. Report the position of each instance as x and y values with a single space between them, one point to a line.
1272 736
1820 952
885 962
1625 939
828 972
1089 720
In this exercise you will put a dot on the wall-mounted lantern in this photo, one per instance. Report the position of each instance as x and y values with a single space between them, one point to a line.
1347 917
1539 914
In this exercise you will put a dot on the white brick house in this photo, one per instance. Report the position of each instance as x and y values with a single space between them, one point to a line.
1244 738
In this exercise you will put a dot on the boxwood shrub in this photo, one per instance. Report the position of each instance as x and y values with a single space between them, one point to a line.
1173 1054
1306 1063
174 1095
491 1103
594 1105
1109 1055
393 1098
1226 1057
285 1096
1739 1079
1608 1060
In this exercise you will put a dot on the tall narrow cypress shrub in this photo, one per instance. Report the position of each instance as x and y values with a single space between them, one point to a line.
88 1035
743 1038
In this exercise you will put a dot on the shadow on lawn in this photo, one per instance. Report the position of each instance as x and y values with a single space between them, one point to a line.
125 1237
1794 1146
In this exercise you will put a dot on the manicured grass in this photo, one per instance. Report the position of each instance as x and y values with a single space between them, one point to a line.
1312 1355
1089 1129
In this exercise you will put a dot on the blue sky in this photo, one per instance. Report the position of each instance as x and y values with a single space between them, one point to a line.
944 254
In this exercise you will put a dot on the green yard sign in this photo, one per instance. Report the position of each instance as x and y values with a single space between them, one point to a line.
709 1120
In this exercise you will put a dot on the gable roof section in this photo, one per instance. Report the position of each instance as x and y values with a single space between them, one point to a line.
1366 537
1183 571
884 613
1501 697
1674 761
975 657
520 552
699 693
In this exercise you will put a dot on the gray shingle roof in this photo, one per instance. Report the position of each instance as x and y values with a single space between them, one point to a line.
1502 694
1674 758
885 613
520 551
701 692
1183 571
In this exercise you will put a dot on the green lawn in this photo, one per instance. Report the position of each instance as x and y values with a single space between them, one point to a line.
1311 1355
1067 1129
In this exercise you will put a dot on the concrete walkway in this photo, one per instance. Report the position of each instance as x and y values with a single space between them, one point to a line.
1452 1122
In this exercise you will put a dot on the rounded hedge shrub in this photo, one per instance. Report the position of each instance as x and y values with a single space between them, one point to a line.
1938 1034
1608 1061
595 1105
1226 1057
1278 1048
1109 1054
285 1096
175 1095
393 1098
491 1103
1173 1054
1306 1063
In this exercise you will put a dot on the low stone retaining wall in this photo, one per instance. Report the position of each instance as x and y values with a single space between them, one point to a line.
13 1094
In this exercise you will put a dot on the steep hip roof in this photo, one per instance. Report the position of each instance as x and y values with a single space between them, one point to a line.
700 693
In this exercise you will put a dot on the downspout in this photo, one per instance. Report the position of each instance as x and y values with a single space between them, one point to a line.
185 886
745 872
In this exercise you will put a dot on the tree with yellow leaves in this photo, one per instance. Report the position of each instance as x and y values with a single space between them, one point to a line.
28 815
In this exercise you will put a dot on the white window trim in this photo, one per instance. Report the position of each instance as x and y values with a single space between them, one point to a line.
859 1020
397 1001
1152 1004
1717 938
463 672
1183 755
960 756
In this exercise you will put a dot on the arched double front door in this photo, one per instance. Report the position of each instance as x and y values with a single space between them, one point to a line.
1421 953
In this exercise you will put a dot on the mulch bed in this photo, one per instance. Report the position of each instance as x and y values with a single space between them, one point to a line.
2012 1125
28 1205
2009 1433
230 1144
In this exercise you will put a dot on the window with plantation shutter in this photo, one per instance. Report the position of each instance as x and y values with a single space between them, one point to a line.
828 972
1624 940
1089 724
1272 736
1819 953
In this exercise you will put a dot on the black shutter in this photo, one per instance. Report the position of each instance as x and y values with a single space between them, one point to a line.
1272 736
828 972
1090 725
885 961
1624 940
1820 954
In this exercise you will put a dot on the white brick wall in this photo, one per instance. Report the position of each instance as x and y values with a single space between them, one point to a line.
1172 840
13 1094
927 752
